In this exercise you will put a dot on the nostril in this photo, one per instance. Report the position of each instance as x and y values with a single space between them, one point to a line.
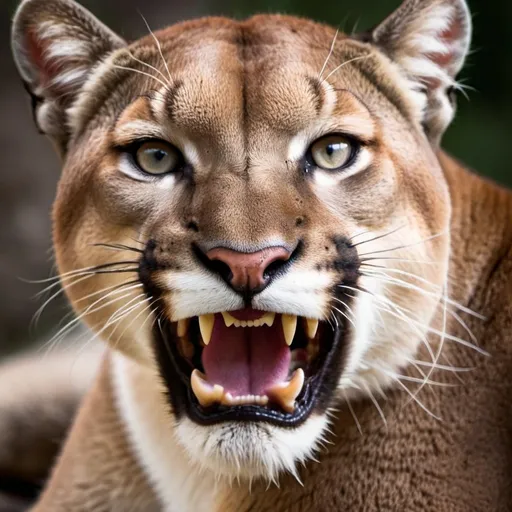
274 268
221 268
216 266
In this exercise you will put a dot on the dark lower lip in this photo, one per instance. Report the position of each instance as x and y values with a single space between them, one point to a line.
316 394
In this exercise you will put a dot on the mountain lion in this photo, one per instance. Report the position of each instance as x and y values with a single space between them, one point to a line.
306 302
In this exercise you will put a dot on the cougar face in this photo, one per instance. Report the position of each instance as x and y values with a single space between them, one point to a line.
247 207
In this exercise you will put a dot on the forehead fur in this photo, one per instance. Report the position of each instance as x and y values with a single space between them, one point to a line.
225 76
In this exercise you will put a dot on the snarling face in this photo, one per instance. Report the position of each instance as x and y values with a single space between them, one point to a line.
251 208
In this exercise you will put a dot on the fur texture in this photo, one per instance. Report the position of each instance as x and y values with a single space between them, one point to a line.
243 102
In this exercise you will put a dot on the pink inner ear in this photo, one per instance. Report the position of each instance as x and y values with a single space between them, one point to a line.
449 37
36 52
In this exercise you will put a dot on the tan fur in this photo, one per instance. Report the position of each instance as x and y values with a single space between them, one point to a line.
242 101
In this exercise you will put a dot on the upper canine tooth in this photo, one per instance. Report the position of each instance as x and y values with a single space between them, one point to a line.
206 323
183 327
229 320
312 327
289 326
286 392
206 394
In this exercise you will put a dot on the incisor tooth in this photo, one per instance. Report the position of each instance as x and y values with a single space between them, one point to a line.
284 394
206 327
206 394
183 327
312 327
289 326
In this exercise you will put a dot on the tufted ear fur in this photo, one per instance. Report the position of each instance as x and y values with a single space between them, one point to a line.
56 45
429 40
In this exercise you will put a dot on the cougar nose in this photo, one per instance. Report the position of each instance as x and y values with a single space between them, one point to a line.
248 271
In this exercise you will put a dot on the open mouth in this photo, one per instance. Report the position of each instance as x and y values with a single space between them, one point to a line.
246 365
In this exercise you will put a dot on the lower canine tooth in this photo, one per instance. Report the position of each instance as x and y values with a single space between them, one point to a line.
289 326
206 394
206 323
284 394
312 327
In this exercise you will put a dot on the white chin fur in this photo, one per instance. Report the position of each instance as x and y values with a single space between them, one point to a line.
251 450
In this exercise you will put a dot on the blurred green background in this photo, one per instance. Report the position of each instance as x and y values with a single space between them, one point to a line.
29 171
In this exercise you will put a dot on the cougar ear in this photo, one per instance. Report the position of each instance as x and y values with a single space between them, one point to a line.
429 40
56 45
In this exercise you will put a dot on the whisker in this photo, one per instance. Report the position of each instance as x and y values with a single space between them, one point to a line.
441 343
464 326
157 42
153 312
86 270
443 367
360 234
344 64
349 405
349 309
399 314
119 247
376 404
132 321
119 317
75 322
62 280
112 287
149 66
39 312
381 270
329 54
125 68
343 314
428 328
415 398
380 236
411 286
428 239
423 381
401 260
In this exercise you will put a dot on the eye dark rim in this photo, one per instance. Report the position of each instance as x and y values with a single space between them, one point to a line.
132 149
355 147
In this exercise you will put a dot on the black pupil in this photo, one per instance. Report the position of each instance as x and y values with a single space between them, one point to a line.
159 154
331 148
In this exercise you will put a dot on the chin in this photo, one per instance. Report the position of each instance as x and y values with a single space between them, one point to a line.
244 450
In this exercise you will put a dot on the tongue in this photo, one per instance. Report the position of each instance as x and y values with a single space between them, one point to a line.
246 360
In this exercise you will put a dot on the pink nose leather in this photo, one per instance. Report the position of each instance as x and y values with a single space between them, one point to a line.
248 269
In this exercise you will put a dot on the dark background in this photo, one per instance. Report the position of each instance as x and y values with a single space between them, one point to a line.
29 170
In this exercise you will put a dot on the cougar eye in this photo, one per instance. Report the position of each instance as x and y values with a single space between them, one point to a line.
156 157
332 152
